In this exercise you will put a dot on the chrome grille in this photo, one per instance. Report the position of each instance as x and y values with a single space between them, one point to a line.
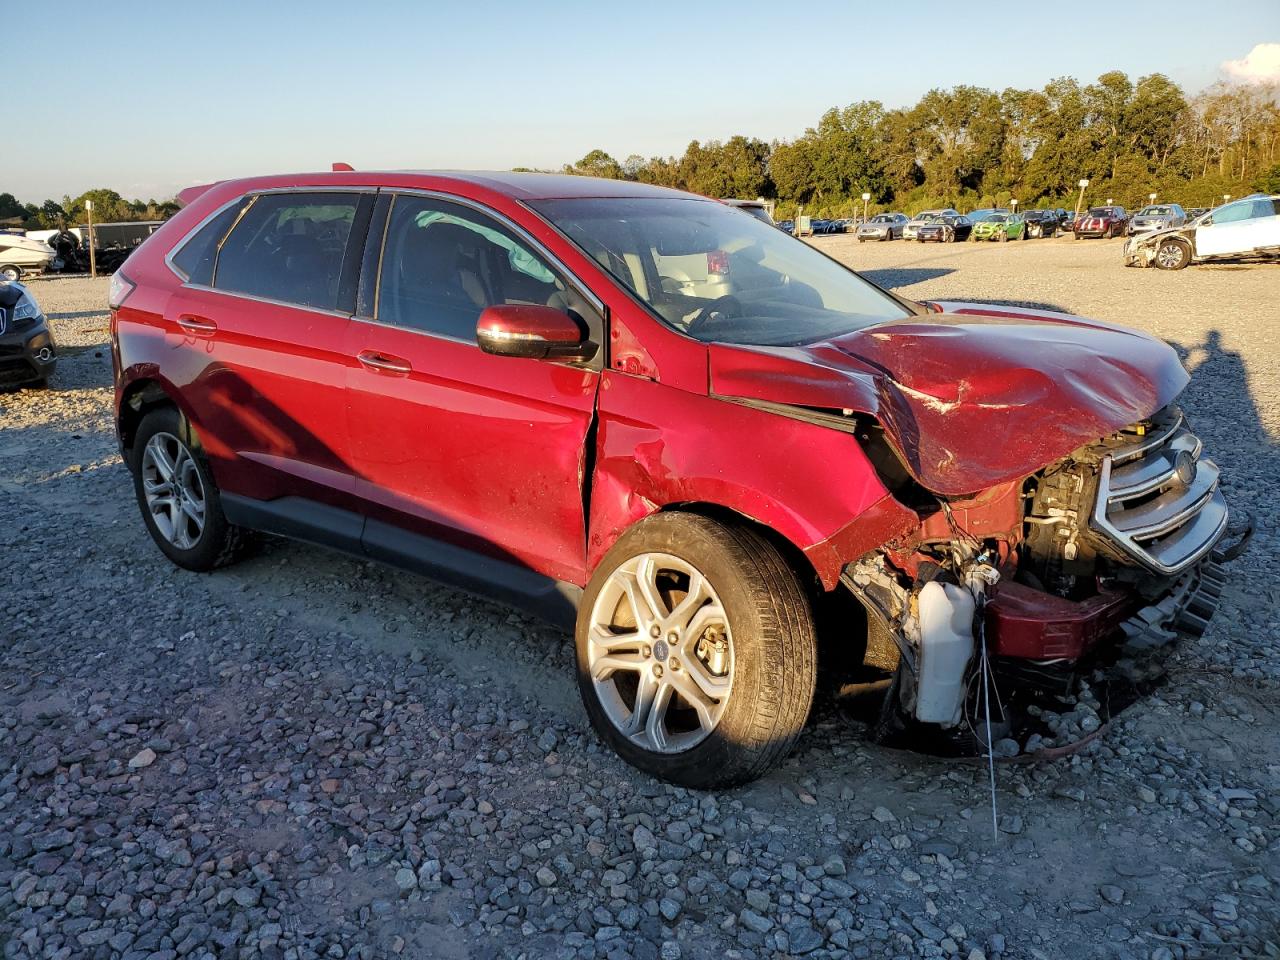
1158 501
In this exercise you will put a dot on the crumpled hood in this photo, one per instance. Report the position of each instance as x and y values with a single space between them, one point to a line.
972 397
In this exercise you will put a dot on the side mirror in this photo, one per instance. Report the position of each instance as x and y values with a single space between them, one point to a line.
533 332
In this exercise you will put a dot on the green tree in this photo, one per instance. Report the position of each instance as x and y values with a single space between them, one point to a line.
597 163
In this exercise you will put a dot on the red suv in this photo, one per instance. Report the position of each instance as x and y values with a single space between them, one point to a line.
655 416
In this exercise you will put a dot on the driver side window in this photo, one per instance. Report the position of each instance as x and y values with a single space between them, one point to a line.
443 263
1245 210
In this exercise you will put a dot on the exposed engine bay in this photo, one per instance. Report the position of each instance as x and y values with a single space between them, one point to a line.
1116 544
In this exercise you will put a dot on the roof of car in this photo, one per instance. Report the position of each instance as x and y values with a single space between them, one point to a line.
516 185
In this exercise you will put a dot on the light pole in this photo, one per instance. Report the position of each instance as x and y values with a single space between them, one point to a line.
1151 197
1226 198
1013 203
93 262
1080 199
865 198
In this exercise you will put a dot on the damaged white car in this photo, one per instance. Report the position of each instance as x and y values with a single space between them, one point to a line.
1243 228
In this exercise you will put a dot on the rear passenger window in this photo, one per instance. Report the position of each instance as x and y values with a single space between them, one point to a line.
195 257
443 263
289 247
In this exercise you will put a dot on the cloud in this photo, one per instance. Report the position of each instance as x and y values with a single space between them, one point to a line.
1259 65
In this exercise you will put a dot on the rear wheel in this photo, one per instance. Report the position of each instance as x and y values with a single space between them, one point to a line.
10 272
696 650
180 503
1172 255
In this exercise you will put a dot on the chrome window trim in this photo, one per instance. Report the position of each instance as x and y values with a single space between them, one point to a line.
275 303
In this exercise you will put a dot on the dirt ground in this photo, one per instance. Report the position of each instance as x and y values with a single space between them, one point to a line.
307 755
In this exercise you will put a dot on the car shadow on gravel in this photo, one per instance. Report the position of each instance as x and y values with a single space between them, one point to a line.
895 277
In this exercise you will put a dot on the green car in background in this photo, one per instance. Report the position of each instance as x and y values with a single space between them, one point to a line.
997 225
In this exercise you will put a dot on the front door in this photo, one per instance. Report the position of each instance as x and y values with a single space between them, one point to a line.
485 453
1237 228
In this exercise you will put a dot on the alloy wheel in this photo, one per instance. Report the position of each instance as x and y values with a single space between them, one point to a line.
660 653
173 490
1170 255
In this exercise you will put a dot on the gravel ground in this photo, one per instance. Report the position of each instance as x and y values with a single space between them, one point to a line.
306 755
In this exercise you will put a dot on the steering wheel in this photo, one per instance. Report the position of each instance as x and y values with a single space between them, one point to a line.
723 307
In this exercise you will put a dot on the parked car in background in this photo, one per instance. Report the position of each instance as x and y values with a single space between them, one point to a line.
1195 212
945 228
23 256
1102 222
1160 216
1243 228
998 225
28 352
925 216
755 208
883 226
505 381
1041 223
787 226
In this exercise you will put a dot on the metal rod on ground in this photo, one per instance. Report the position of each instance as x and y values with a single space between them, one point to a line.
93 261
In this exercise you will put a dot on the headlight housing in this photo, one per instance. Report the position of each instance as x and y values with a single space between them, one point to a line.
26 308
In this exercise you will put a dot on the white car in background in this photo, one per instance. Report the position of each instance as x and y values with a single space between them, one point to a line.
1242 228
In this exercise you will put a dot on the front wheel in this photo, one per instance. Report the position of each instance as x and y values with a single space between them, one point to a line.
180 503
1172 255
696 651
9 272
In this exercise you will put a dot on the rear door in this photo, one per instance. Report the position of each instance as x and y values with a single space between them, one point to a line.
484 453
262 346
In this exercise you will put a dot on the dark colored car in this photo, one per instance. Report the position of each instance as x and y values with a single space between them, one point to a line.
1102 222
640 412
944 228
1042 223
28 353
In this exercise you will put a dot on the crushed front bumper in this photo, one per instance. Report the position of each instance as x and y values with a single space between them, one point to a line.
28 353
1027 624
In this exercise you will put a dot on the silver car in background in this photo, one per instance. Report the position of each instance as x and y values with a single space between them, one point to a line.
883 226
1159 216
912 229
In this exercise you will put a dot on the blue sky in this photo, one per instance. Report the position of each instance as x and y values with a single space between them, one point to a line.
184 92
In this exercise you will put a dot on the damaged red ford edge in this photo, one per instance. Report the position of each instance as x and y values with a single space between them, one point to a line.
644 414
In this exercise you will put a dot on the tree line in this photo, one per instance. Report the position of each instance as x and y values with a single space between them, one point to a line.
969 147
108 207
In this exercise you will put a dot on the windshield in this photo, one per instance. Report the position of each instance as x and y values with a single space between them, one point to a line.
716 275
994 218
927 217
1156 212
1102 211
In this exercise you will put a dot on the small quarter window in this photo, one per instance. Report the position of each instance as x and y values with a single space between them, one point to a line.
289 247
196 255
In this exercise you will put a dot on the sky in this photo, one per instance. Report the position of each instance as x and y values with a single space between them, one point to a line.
149 96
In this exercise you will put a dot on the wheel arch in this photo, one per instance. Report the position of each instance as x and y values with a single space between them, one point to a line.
791 553
140 397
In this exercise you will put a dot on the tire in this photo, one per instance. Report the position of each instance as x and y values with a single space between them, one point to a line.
1168 261
1033 232
217 542
862 239
10 272
763 654
1004 236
